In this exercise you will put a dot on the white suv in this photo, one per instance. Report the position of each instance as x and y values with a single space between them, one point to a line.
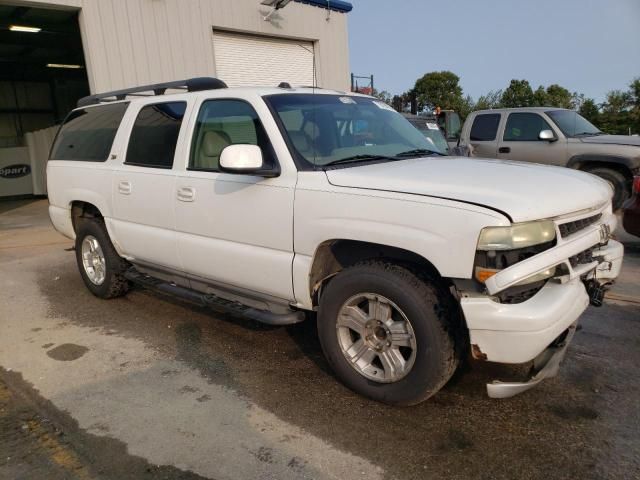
277 202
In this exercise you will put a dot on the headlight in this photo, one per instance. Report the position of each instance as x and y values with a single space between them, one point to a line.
518 235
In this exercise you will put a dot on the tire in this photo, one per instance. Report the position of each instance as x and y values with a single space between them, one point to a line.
619 183
111 283
433 319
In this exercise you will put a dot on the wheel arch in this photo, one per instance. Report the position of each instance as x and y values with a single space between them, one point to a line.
82 209
620 164
334 255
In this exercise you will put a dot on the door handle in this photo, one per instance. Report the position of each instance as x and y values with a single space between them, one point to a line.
186 194
504 150
124 188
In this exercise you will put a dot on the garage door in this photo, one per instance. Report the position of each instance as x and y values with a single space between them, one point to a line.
266 61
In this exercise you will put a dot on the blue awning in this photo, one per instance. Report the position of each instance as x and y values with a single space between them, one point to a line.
335 5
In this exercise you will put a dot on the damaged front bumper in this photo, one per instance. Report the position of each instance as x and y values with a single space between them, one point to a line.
541 327
545 365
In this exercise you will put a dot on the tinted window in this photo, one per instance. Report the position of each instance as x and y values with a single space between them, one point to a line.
155 134
524 127
485 127
87 134
222 123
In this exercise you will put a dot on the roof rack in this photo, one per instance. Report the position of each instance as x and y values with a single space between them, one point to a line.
190 84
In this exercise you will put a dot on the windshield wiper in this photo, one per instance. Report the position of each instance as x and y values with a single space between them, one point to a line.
358 158
588 133
418 152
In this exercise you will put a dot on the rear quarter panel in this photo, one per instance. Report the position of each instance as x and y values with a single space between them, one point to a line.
69 181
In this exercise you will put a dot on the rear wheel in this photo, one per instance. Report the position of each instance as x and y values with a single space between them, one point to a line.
617 181
387 333
101 268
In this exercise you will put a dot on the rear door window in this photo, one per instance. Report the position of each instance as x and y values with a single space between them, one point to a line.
524 127
87 134
485 127
154 135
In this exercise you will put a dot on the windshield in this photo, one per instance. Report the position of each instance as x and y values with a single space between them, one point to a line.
433 134
572 124
329 129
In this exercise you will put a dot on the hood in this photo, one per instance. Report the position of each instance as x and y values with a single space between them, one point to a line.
524 191
613 140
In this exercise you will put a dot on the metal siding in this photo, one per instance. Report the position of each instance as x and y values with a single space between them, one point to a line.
129 42
252 60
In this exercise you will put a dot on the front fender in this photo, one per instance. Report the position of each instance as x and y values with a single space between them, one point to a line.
445 233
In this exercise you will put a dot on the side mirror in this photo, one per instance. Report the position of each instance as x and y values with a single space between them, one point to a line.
245 160
547 136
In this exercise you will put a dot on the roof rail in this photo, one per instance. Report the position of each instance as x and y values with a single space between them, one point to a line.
190 84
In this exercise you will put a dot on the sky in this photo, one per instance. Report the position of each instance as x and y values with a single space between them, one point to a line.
588 46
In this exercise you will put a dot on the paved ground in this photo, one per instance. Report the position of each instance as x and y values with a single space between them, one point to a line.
148 387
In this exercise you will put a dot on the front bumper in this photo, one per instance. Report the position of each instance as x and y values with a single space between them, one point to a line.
545 365
520 332
517 333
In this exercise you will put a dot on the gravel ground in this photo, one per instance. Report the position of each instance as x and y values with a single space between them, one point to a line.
159 388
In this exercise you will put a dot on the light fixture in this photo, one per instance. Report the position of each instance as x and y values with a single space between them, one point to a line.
22 28
275 5
63 65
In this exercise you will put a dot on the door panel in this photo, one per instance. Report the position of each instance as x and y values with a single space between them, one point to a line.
483 136
237 230
234 229
144 217
520 140
144 187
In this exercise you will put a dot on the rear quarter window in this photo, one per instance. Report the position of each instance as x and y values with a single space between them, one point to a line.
87 134
485 127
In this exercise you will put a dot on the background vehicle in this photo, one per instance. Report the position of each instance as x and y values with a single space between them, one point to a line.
555 137
428 126
273 202
631 215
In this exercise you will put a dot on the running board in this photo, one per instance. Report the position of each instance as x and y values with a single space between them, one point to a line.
211 300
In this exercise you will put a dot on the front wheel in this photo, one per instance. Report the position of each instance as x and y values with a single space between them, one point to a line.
387 333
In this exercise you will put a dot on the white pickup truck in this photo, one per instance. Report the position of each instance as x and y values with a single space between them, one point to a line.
277 202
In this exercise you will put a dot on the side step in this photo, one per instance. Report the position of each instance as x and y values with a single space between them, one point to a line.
211 300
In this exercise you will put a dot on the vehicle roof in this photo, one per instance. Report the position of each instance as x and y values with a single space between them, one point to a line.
232 91
518 109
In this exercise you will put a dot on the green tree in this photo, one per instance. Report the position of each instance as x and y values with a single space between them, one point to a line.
590 111
464 106
517 94
616 117
540 98
439 89
490 100
558 96
634 91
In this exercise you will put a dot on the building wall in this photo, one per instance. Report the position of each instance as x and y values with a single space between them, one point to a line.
136 42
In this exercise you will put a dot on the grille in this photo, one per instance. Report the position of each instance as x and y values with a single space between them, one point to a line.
570 228
582 258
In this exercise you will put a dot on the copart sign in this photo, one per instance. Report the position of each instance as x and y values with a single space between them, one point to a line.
15 171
